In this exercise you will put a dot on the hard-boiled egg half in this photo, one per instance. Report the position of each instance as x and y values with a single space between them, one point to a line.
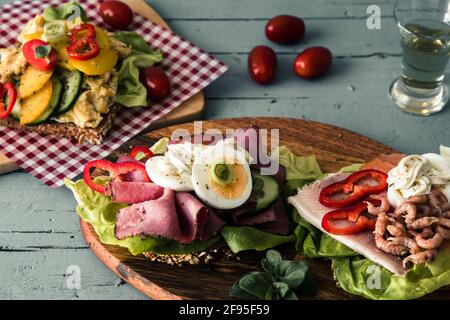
221 177
173 170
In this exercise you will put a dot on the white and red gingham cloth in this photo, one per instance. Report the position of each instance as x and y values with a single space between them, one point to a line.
51 159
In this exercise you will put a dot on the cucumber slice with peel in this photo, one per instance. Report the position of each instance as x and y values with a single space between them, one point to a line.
72 82
265 190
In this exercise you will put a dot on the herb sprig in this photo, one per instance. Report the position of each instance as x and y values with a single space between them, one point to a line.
280 280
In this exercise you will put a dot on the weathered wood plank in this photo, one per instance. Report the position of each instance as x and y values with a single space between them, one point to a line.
343 37
264 9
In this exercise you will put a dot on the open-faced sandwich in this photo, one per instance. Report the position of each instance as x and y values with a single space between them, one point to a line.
68 77
385 224
186 199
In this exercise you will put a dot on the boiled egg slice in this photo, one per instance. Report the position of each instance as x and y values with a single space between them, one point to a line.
162 172
221 179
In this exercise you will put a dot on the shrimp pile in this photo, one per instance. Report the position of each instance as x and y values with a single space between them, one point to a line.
415 230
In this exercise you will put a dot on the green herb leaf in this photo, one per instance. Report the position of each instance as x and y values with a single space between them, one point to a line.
42 51
258 284
280 281
69 11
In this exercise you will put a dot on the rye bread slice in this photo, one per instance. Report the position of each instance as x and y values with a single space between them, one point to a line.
69 130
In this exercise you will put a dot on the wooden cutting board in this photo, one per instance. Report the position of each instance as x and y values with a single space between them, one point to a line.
190 110
334 148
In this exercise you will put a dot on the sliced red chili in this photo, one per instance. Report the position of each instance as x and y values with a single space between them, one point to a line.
83 45
357 186
114 169
140 152
84 31
7 93
353 215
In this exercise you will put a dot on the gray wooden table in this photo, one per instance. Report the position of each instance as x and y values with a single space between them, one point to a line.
39 231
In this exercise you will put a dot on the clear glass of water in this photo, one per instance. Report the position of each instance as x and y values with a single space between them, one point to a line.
425 39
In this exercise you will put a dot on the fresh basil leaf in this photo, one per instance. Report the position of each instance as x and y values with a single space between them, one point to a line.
42 51
257 283
271 261
135 41
290 295
280 290
238 292
292 273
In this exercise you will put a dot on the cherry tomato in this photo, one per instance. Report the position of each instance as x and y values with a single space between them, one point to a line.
40 55
116 14
262 64
285 29
156 82
313 62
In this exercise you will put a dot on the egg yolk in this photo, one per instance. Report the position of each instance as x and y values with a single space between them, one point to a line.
233 189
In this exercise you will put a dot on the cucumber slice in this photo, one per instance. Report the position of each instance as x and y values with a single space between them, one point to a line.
72 82
265 190
54 102
15 113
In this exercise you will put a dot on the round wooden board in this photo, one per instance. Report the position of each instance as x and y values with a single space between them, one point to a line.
334 148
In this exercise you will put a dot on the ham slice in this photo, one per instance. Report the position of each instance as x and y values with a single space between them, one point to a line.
308 205
281 223
177 216
156 217
133 192
384 162
193 216
134 176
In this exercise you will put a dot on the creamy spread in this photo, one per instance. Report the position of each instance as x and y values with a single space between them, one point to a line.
416 175
12 64
98 96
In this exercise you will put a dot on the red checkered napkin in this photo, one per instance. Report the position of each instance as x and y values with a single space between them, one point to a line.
51 159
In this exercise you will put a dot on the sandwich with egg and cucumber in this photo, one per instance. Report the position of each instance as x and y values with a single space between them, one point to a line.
185 202
69 78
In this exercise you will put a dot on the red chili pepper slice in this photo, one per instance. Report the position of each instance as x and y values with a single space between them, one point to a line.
11 96
354 188
84 31
43 63
83 45
114 170
136 151
353 215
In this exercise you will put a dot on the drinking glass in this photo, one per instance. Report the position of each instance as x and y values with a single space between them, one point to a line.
424 27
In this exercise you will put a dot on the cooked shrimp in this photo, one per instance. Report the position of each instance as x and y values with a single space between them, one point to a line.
437 199
424 210
409 209
443 231
405 242
429 243
384 207
395 228
422 199
422 223
421 257
444 222
383 244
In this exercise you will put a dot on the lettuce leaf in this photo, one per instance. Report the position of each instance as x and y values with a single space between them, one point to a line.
298 167
100 212
249 238
70 10
131 92
134 41
362 277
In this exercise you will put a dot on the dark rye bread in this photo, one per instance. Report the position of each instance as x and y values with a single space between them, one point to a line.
69 130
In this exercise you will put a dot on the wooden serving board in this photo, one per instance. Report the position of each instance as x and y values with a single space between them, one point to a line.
334 148
189 110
